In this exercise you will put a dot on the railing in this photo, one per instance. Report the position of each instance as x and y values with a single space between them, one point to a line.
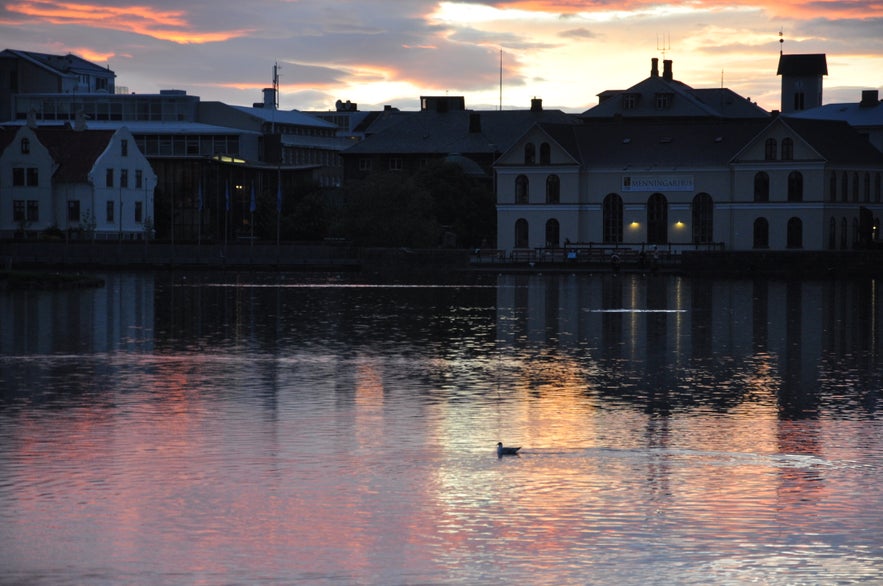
591 253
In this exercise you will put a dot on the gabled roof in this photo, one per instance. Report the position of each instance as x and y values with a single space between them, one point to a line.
836 141
462 131
803 65
75 152
685 102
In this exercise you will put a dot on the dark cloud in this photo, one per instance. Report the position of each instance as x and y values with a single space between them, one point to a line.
578 33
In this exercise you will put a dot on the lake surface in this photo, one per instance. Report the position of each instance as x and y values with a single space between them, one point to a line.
264 429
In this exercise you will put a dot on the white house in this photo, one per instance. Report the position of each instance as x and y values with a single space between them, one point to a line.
88 183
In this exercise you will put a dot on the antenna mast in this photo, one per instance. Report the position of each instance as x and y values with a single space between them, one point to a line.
666 44
276 84
501 78
781 40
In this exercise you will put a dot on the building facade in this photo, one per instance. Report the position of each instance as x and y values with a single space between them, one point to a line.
83 183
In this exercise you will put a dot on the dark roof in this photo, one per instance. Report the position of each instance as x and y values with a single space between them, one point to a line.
61 64
686 102
444 133
661 144
803 65
74 151
836 141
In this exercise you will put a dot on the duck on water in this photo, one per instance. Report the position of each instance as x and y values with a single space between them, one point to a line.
506 451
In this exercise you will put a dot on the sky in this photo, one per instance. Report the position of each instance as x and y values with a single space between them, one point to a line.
390 52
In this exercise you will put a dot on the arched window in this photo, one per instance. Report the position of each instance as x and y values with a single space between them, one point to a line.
787 149
867 187
530 154
761 186
844 187
855 187
612 214
832 187
856 231
657 219
770 148
703 219
844 234
832 234
761 233
553 231
25 146
795 233
553 189
795 186
545 154
521 233
522 193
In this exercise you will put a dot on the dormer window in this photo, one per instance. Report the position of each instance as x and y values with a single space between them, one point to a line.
25 146
124 148
629 101
663 100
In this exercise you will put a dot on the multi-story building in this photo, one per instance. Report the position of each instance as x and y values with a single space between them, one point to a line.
92 184
688 177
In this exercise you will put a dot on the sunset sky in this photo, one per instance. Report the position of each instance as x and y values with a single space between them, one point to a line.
379 52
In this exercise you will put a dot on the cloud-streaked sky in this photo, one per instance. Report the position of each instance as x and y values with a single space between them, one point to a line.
379 52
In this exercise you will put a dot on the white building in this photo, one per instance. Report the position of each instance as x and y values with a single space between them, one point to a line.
88 183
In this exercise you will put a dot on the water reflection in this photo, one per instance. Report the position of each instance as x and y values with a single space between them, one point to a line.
267 429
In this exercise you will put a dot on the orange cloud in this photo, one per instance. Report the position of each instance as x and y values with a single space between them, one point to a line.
165 25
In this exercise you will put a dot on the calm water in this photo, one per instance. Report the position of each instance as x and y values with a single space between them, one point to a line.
241 429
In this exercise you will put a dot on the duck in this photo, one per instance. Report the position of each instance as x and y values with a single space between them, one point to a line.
506 451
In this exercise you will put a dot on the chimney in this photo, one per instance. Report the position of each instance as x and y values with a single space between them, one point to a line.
654 67
474 122
536 105
666 70
870 98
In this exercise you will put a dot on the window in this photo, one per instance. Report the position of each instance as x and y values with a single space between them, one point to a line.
867 187
795 233
73 210
761 187
109 217
124 178
545 154
787 149
530 155
18 177
553 233
521 189
124 148
844 234
799 101
108 178
139 179
612 218
795 186
33 177
629 101
761 233
33 211
832 187
844 187
877 189
395 164
855 185
703 219
769 153
663 100
553 189
832 234
139 210
25 146
18 210
364 164
521 233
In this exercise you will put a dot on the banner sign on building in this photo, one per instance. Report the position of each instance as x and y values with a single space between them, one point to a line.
657 183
